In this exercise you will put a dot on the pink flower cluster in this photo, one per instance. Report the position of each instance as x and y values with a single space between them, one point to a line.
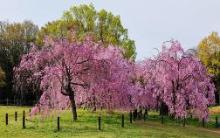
99 77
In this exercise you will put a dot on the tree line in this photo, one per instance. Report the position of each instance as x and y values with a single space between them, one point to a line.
16 39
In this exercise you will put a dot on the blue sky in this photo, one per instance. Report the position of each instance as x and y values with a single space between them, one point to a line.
149 22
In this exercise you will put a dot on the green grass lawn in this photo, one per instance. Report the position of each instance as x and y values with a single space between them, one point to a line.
86 126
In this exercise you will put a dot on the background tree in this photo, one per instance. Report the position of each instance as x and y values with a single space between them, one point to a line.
142 96
209 53
83 20
15 40
2 78
180 82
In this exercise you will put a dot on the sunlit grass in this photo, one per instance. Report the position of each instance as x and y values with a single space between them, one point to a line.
86 126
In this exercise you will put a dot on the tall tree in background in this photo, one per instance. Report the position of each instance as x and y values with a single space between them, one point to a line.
15 40
209 53
83 20
2 78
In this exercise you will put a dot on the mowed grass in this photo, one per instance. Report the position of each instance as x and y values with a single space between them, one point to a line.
86 126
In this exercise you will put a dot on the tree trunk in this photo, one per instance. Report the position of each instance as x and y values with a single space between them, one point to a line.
146 112
94 109
135 114
139 114
73 106
94 104
163 109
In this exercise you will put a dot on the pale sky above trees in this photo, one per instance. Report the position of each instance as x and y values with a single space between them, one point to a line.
149 22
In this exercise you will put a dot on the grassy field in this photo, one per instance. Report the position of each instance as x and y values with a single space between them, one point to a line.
86 126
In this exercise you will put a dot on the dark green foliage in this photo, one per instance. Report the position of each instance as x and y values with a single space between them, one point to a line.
15 40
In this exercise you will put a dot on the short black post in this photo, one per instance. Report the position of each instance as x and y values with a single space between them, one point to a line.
203 122
130 116
6 119
162 119
29 110
184 121
23 120
16 116
99 122
216 121
58 123
122 120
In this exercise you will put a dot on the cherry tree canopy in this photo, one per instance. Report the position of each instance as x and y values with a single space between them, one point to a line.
89 74
144 86
77 73
180 81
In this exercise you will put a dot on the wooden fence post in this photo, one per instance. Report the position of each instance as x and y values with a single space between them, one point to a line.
99 122
6 119
16 116
58 123
23 120
122 120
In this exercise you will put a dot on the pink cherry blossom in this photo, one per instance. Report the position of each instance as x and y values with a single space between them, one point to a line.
77 74
180 81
